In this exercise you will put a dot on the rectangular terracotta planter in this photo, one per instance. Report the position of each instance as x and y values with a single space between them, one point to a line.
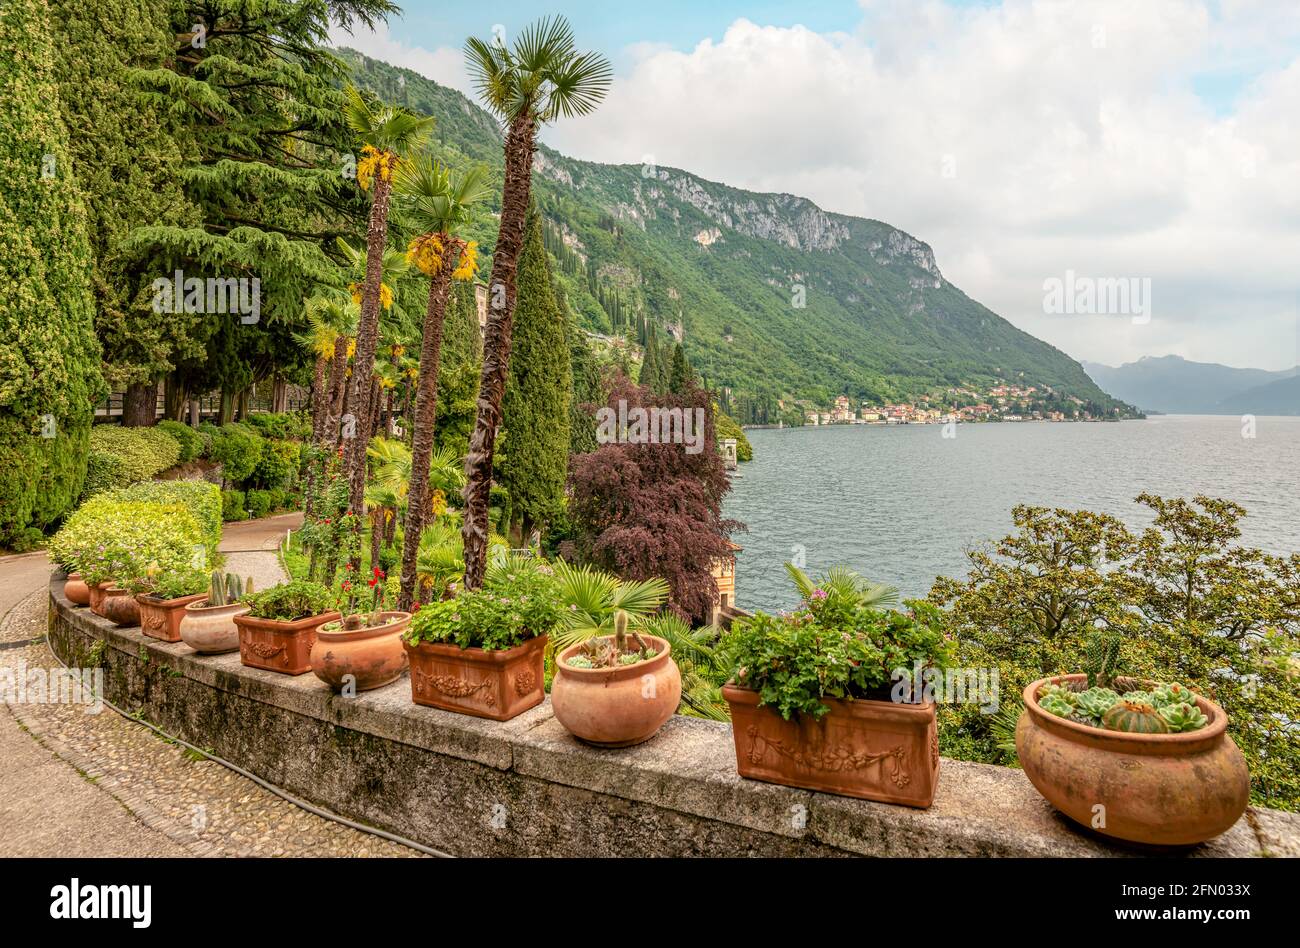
283 647
875 750
161 618
496 685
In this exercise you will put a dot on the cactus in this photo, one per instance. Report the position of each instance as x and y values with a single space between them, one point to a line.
620 631
1102 658
1134 717
226 589
1183 717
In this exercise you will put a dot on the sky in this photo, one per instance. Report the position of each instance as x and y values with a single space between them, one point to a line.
1031 143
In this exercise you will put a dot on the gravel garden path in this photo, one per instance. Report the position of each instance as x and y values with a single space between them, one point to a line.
79 784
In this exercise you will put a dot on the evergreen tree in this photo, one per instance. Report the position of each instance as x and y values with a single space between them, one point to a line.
538 394
49 358
651 375
268 154
681 379
462 360
588 393
127 158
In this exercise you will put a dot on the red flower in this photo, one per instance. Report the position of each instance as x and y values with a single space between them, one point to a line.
347 585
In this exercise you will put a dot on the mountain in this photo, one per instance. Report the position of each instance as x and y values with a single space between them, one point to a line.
775 297
1172 384
1279 397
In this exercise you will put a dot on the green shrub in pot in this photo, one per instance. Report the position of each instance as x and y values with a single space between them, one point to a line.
289 602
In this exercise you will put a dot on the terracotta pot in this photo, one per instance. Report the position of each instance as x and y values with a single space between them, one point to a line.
498 685
161 618
119 606
277 646
76 591
211 630
362 659
875 750
617 707
97 596
1160 789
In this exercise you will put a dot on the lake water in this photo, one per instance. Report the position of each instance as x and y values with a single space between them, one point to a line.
900 504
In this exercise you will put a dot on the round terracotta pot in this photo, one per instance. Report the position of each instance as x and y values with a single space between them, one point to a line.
616 707
211 630
96 593
1158 789
119 606
76 591
363 658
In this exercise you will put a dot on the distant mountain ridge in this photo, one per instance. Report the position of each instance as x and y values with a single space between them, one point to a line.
1174 385
776 298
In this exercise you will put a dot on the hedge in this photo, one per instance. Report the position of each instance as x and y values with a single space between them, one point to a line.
122 456
278 465
238 448
109 538
232 506
191 442
199 498
49 355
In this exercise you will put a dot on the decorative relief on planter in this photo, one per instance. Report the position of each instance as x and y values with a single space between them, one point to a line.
454 687
830 759
525 682
496 685
832 754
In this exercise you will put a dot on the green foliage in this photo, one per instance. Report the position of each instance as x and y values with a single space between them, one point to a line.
121 456
1189 602
283 426
173 585
124 540
538 392
519 601
258 502
278 464
233 506
49 371
191 442
592 600
830 648
238 449
201 499
289 602
727 428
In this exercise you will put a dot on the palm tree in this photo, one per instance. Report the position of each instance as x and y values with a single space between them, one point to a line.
592 597
330 324
845 582
389 134
440 204
541 78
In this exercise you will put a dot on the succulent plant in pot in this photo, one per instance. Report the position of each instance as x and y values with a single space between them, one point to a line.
816 700
279 629
1144 761
360 650
208 626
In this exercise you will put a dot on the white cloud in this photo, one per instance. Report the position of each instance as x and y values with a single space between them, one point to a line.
444 65
1076 136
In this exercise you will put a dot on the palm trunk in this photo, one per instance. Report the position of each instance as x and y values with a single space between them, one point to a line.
519 147
426 416
363 365
337 390
319 399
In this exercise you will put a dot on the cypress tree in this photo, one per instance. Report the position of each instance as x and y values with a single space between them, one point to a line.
458 375
127 158
49 359
651 375
538 394
588 395
681 378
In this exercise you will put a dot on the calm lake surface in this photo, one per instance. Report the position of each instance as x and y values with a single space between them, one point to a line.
901 504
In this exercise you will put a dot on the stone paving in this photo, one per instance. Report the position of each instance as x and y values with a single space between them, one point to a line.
74 783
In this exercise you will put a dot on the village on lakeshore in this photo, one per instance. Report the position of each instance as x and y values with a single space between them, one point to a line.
1000 403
